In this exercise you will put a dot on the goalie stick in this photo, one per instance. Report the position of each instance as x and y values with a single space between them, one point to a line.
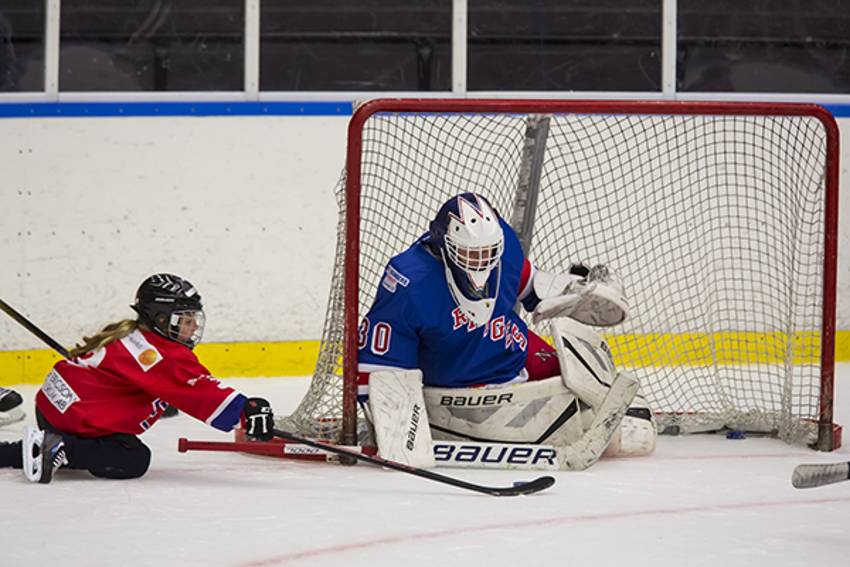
810 476
29 326
536 485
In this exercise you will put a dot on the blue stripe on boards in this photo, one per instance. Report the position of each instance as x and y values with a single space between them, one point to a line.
838 110
112 109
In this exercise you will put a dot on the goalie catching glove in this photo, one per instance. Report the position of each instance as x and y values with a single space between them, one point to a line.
594 296
259 419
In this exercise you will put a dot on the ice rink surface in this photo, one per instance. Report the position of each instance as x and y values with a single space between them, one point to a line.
699 501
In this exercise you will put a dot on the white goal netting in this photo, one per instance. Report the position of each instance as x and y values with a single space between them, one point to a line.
716 222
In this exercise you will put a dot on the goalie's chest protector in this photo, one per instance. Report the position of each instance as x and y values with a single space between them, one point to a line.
415 323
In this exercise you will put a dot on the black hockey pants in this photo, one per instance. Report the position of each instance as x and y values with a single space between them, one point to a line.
117 456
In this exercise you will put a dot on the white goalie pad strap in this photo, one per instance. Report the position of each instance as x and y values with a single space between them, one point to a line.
596 300
400 418
587 368
637 433
543 411
607 418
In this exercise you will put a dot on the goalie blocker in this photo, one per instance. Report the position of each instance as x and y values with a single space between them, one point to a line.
577 416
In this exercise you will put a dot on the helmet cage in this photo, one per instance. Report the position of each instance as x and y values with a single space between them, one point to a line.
474 258
172 307
186 326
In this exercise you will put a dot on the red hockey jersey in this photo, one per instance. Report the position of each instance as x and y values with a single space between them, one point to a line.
125 386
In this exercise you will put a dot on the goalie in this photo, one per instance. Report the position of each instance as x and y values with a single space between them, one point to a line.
443 318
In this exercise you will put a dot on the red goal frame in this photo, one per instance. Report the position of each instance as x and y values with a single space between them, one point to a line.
828 432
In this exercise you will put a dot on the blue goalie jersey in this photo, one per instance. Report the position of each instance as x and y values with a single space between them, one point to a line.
415 323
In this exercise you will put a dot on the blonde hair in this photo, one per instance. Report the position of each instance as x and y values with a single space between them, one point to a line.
109 334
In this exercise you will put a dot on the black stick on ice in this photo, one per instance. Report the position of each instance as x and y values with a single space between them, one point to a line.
536 485
29 326
810 476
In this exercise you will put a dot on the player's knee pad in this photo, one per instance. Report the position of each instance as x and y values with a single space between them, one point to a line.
587 367
542 412
637 433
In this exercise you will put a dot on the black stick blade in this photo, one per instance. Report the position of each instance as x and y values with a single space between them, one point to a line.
523 488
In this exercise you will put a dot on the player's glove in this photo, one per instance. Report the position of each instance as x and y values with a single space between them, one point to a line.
259 419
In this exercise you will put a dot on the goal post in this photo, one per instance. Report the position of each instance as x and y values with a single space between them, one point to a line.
721 217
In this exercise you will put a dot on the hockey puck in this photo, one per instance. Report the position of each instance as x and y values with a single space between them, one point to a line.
736 435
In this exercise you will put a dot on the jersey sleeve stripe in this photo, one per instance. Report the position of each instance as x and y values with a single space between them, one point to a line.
525 279
226 415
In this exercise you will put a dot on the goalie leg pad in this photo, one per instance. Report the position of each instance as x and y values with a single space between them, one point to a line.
586 364
543 411
607 419
400 418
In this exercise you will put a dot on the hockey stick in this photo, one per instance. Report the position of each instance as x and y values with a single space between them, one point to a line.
810 476
29 326
277 447
536 485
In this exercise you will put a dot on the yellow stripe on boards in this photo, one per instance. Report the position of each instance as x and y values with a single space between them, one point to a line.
249 360
26 366
298 358
224 360
726 348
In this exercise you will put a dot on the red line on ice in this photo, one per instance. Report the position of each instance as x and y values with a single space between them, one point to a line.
342 548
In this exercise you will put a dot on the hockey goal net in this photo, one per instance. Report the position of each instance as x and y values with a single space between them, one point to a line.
720 217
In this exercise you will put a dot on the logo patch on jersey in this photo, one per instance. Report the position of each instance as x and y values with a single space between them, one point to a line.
58 392
144 353
393 278
148 357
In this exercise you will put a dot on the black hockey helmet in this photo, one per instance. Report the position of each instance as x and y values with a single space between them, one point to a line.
172 307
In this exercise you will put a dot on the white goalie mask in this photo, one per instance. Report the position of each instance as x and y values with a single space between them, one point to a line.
474 240
471 242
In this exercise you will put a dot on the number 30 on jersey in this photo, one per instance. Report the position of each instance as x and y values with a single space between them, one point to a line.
381 336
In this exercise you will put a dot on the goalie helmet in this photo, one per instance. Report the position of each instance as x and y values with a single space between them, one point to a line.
467 235
172 307
467 229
